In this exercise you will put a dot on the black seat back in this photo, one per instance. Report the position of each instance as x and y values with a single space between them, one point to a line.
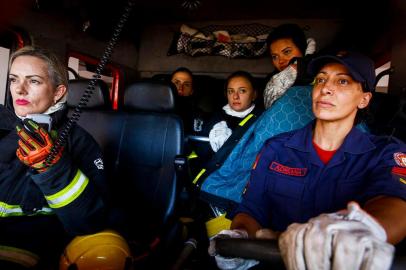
98 101
152 137
98 119
388 115
139 144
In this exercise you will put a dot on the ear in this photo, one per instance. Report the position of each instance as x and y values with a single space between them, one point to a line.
366 97
60 91
254 97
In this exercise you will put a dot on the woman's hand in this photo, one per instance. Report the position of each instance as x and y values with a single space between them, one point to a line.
35 145
267 234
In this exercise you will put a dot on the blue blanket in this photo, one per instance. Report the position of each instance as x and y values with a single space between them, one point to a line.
292 111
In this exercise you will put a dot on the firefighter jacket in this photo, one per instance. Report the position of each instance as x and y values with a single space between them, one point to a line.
69 194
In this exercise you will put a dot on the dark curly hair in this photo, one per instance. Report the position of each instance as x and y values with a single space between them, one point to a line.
289 30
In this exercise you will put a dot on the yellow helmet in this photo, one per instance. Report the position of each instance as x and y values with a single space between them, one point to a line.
100 251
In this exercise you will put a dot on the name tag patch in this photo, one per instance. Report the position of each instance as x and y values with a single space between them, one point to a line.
277 167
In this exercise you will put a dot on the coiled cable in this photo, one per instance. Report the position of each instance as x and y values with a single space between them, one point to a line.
64 133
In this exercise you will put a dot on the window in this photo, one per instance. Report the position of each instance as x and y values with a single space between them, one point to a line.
383 82
85 67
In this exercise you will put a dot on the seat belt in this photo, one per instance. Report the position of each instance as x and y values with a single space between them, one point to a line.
218 159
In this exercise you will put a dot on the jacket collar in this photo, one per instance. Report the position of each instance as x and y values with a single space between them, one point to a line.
8 119
356 141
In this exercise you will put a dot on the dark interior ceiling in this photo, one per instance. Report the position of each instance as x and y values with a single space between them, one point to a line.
363 21
103 15
197 10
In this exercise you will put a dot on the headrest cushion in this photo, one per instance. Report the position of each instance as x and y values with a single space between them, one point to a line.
99 99
149 96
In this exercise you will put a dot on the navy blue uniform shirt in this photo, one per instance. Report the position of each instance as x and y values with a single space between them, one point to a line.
290 183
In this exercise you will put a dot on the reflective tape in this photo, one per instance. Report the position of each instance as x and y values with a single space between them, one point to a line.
198 176
192 155
8 210
69 193
245 120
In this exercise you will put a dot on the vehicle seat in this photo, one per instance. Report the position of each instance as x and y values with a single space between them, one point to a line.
139 143
98 101
98 119
151 138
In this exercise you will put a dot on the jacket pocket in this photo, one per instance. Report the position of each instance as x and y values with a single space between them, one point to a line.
348 190
287 186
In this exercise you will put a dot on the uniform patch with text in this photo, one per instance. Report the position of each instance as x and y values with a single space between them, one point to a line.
277 167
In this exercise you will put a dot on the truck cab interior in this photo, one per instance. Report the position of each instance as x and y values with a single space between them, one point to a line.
131 112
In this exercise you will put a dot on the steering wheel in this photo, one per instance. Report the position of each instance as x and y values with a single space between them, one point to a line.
267 251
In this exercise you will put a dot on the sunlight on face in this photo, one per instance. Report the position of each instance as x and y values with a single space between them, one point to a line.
336 95
282 51
240 94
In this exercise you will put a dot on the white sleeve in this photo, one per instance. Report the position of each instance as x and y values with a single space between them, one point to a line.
278 85
218 135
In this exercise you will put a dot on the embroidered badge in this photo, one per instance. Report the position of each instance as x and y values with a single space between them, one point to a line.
99 163
400 159
275 166
197 124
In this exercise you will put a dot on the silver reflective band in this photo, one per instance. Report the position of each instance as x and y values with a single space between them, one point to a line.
8 210
70 192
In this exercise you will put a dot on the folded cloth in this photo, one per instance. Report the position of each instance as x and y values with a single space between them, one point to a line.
279 84
230 263
218 135
349 239
311 46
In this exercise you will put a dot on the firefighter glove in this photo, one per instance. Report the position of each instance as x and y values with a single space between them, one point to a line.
35 145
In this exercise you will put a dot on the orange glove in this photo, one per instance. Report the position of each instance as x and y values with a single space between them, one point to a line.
35 145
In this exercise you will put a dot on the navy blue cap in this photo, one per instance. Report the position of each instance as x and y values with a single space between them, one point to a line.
360 67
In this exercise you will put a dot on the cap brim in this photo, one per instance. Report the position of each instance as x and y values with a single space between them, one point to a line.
317 63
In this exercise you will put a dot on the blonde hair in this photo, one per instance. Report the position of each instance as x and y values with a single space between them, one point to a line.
56 70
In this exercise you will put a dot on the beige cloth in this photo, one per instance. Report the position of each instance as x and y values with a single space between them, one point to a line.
348 240
230 263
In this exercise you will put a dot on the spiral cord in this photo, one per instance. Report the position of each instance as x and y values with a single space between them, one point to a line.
65 131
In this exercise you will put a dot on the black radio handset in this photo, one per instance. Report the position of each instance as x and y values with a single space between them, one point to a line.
63 134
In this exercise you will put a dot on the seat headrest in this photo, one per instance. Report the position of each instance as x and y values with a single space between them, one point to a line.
149 96
99 99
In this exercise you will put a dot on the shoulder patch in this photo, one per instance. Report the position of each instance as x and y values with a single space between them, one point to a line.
400 159
99 164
